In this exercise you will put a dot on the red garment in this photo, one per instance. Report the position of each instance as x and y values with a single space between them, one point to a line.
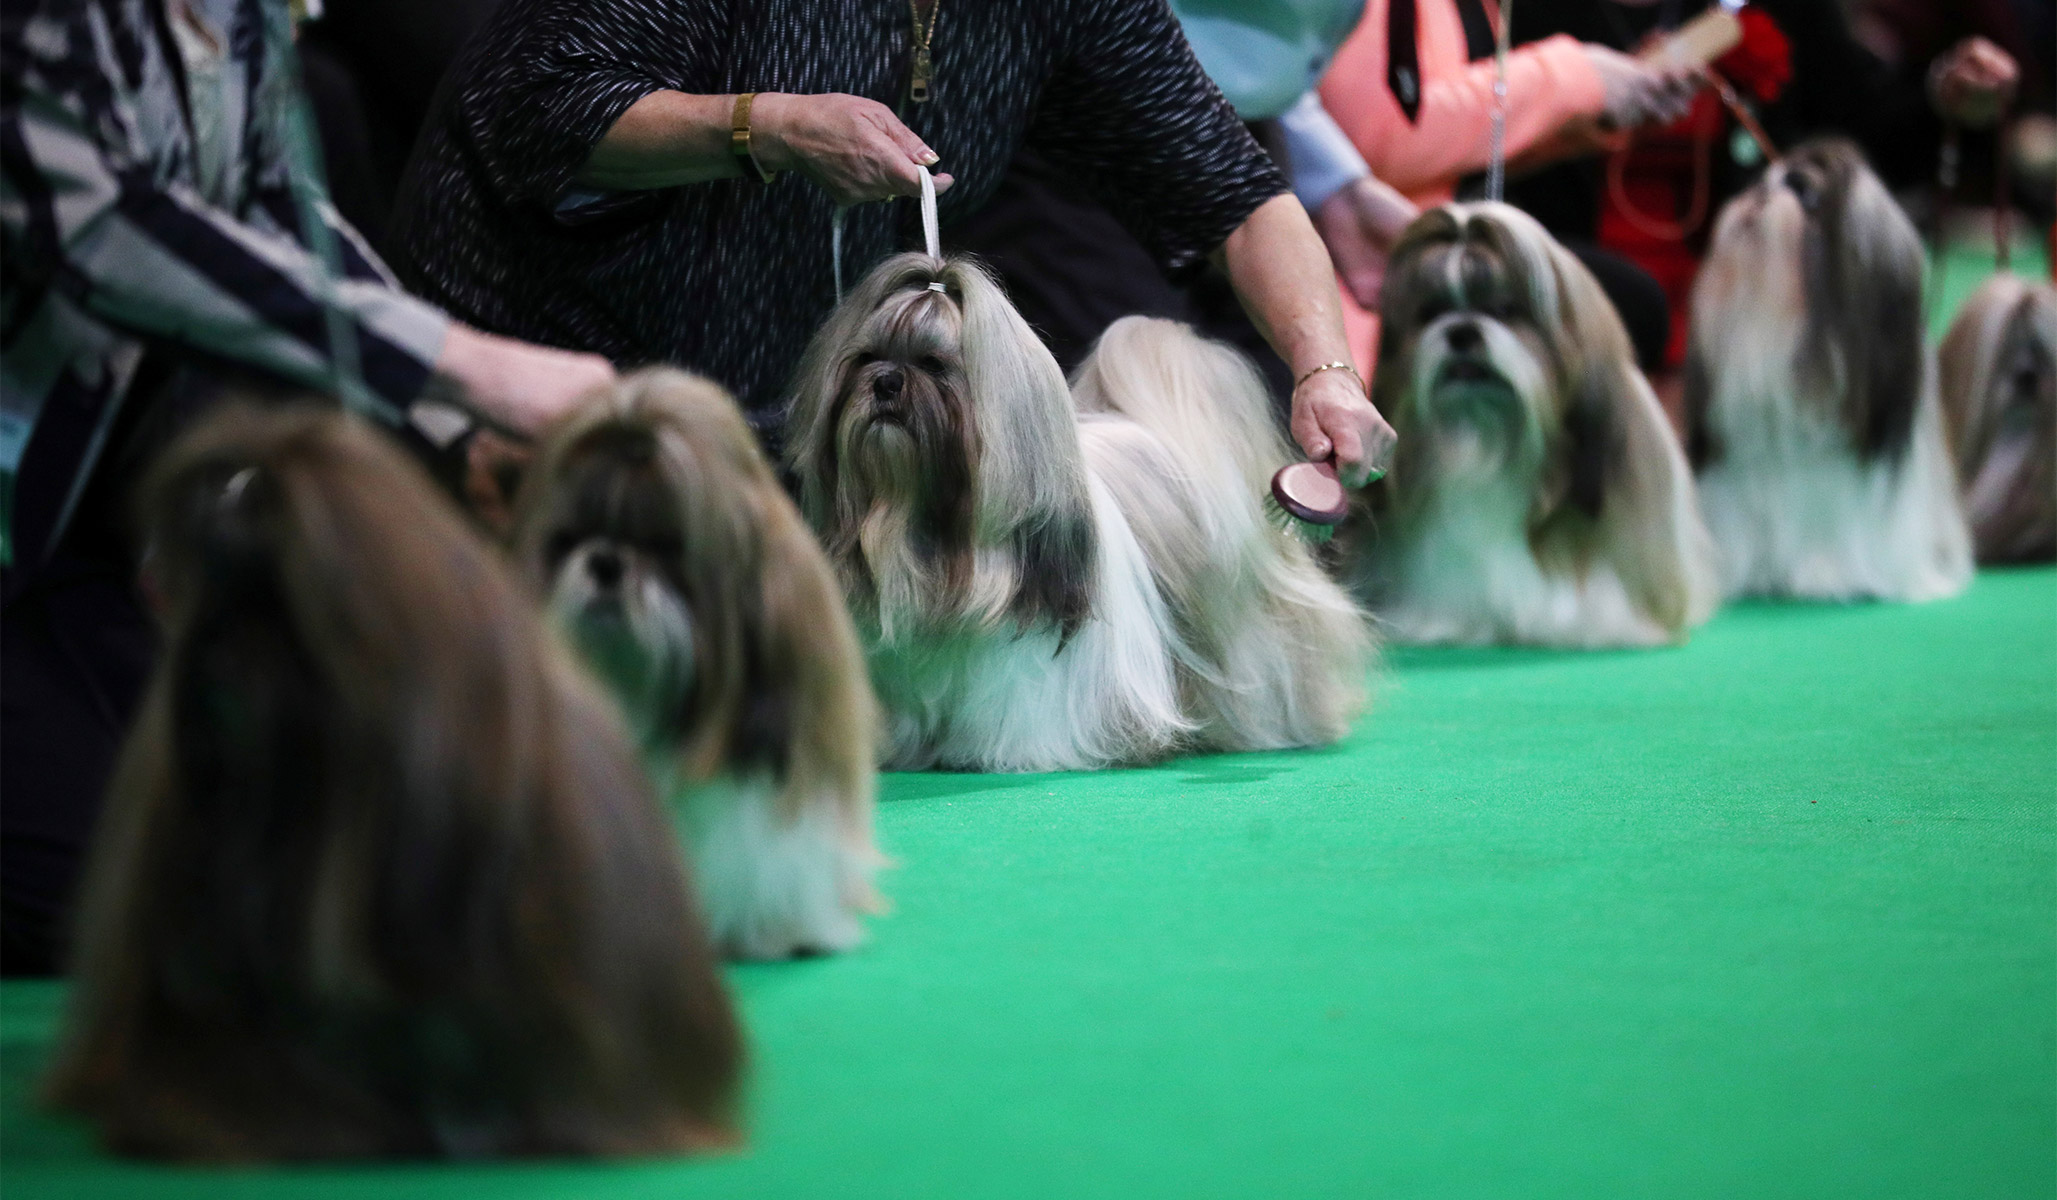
1658 182
1666 173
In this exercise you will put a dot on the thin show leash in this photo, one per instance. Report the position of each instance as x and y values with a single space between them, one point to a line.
1496 165
1703 168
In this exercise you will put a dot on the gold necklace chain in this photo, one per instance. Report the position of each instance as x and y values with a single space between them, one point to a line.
918 87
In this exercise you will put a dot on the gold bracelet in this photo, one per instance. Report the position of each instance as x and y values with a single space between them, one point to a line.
1334 366
739 136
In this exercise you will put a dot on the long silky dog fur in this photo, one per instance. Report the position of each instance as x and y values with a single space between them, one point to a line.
379 874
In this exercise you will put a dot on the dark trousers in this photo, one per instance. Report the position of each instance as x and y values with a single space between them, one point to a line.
76 647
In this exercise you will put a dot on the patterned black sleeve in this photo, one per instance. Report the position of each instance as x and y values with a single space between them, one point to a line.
548 78
1131 113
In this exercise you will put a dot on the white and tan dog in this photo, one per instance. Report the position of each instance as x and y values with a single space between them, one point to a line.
1999 369
665 545
1811 393
1539 495
1052 582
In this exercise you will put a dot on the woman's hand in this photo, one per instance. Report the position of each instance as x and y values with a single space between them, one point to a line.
516 386
854 148
1359 224
1332 415
1973 82
1639 93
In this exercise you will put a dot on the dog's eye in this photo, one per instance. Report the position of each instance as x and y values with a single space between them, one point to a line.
1431 309
560 544
665 547
931 365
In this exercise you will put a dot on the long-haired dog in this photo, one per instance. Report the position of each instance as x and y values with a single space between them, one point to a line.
1050 582
1811 393
1999 371
1539 495
666 546
380 874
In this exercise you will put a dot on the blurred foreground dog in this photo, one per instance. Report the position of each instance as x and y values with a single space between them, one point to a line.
1999 371
1539 496
1054 582
667 548
379 874
1811 393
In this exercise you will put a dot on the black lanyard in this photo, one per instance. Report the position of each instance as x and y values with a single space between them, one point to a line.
1403 58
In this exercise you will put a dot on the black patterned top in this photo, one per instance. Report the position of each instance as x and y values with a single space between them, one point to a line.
730 278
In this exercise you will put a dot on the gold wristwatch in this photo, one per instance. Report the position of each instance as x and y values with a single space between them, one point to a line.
739 136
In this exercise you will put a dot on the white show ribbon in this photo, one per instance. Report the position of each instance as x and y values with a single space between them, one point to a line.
836 248
1496 160
931 231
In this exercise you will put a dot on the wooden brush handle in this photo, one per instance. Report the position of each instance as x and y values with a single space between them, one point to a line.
1699 41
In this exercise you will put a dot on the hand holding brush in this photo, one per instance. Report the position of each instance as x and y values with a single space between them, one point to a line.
1311 498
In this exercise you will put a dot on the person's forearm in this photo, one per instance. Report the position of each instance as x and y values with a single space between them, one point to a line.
664 140
853 148
1282 274
1287 285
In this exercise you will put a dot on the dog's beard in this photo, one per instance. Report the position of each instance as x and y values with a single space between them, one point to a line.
905 497
1482 406
634 630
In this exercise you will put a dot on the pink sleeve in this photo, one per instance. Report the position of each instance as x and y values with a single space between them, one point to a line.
1549 83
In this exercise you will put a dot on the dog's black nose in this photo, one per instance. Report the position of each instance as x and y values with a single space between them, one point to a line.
1464 337
888 383
605 567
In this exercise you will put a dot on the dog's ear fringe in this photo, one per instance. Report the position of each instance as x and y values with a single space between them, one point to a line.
1031 467
1629 473
1865 348
810 644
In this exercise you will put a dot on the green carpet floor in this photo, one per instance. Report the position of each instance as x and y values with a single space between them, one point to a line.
1771 915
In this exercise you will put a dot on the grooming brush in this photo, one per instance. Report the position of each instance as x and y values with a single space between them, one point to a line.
1308 499
1701 40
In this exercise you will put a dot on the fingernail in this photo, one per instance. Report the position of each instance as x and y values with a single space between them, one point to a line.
929 159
